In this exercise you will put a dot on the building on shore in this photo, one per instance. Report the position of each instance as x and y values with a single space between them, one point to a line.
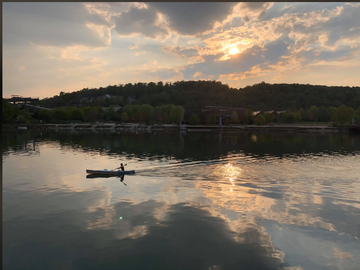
206 113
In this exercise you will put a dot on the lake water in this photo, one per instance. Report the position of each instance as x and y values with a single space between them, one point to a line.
197 201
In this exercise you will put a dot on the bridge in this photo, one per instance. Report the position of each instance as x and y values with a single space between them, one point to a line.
15 99
37 107
23 102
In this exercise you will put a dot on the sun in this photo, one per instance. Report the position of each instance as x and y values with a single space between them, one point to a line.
234 50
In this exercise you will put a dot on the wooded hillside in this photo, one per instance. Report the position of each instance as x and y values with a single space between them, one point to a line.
191 94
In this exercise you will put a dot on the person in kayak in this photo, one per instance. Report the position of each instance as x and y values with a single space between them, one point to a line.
122 167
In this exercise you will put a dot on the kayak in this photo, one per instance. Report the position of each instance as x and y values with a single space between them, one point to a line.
105 172
91 175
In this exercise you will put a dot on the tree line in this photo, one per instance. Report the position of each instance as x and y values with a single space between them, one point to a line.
130 113
193 94
301 102
340 116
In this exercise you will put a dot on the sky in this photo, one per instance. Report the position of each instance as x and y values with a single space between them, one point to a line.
65 46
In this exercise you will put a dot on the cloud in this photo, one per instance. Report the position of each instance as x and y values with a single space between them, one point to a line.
197 74
163 74
139 21
280 9
168 73
271 53
193 18
181 51
53 24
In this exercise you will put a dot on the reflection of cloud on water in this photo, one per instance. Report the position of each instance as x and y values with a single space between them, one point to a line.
188 238
186 235
314 248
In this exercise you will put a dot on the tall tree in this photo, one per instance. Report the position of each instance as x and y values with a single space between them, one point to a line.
343 115
177 114
147 113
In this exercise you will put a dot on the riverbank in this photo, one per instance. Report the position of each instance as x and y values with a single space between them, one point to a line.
183 128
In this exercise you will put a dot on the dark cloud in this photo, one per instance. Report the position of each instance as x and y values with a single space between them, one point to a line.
276 49
280 9
139 21
188 52
344 53
193 18
346 25
235 22
54 24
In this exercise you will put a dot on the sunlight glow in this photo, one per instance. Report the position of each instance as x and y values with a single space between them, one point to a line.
234 50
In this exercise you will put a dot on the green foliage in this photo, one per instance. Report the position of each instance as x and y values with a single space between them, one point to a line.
158 116
24 118
8 111
234 117
313 113
297 116
59 114
124 116
177 114
302 113
260 120
44 115
109 113
194 119
249 116
136 115
288 118
128 110
91 114
166 117
212 119
78 114
269 117
195 94
69 112
324 115
146 113
343 115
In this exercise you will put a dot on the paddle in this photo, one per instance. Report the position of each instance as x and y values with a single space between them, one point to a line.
118 167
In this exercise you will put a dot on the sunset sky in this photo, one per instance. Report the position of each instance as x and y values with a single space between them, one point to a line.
53 47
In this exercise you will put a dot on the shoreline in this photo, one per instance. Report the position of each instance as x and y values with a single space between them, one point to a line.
183 128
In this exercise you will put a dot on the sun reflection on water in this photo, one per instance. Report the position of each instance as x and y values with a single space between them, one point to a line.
230 172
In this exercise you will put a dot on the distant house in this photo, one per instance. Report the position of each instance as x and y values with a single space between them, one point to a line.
255 113
104 97
118 110
275 113
225 112
84 100
131 99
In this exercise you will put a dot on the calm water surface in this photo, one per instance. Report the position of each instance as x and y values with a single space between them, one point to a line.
197 201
